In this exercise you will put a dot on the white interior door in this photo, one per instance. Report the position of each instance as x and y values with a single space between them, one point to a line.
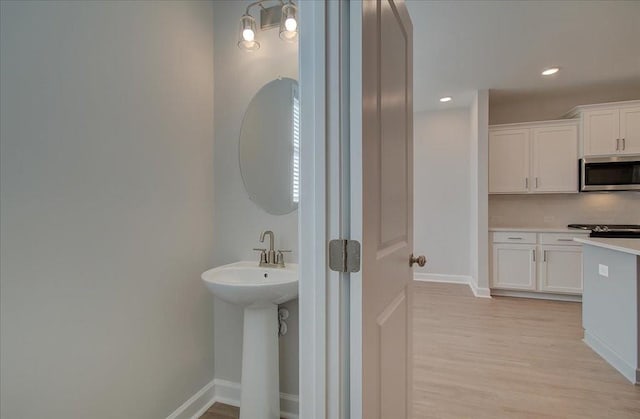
382 209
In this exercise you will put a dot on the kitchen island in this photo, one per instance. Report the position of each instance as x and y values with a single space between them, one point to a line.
610 314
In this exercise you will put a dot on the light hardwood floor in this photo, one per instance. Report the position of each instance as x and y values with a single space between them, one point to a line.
509 358
504 358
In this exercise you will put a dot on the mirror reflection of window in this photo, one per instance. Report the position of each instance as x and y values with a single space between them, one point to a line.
295 157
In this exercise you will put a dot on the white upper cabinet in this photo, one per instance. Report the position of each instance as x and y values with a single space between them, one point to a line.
509 161
630 130
610 128
540 157
555 158
601 131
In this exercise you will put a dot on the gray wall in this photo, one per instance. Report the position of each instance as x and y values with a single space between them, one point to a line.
506 107
106 207
238 221
442 203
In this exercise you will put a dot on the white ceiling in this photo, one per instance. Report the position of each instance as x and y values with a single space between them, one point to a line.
462 46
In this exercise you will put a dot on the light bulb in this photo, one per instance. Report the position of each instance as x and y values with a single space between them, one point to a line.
248 35
290 24
550 71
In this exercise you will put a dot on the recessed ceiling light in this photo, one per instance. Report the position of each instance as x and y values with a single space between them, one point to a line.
445 99
550 71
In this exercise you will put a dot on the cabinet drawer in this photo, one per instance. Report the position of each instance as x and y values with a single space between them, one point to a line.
515 237
561 239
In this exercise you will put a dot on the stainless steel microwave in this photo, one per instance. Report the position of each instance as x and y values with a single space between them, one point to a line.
618 173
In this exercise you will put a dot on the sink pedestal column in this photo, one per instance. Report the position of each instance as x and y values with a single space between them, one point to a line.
260 397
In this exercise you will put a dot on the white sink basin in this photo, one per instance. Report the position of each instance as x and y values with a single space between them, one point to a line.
247 284
259 291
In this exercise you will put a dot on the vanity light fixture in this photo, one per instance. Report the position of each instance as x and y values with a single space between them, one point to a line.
289 23
283 15
549 71
247 36
445 99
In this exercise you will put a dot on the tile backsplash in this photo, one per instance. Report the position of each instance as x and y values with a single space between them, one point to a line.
562 209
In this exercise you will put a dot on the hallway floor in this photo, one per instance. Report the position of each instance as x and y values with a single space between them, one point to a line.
509 357
504 358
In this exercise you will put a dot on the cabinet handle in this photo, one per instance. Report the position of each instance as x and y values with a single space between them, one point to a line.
617 144
526 183
514 238
536 182
565 240
534 255
624 143
544 256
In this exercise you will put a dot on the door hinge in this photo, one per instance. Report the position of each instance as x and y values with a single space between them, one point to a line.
344 255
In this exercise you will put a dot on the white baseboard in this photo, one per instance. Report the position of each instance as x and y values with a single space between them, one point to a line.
537 295
454 279
629 371
197 404
227 392
478 291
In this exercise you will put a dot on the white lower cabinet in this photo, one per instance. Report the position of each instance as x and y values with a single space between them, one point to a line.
545 262
560 269
514 266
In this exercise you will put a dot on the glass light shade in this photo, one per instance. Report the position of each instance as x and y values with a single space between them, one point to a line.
289 23
247 34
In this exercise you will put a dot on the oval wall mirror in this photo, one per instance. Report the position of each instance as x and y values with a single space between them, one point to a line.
269 147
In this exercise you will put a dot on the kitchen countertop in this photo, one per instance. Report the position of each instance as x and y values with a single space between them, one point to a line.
631 246
541 230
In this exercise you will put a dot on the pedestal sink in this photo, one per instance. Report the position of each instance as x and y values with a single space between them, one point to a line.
259 290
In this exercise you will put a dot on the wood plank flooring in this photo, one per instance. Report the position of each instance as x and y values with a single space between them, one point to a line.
504 358
221 411
509 358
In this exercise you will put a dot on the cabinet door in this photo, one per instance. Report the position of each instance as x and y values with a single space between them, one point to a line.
601 132
630 130
514 267
555 159
509 161
560 269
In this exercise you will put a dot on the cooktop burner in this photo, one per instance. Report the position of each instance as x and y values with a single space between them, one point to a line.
610 230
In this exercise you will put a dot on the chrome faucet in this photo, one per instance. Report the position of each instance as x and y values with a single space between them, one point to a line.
271 257
271 254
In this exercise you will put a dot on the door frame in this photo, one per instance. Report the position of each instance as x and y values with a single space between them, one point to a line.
356 207
323 209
